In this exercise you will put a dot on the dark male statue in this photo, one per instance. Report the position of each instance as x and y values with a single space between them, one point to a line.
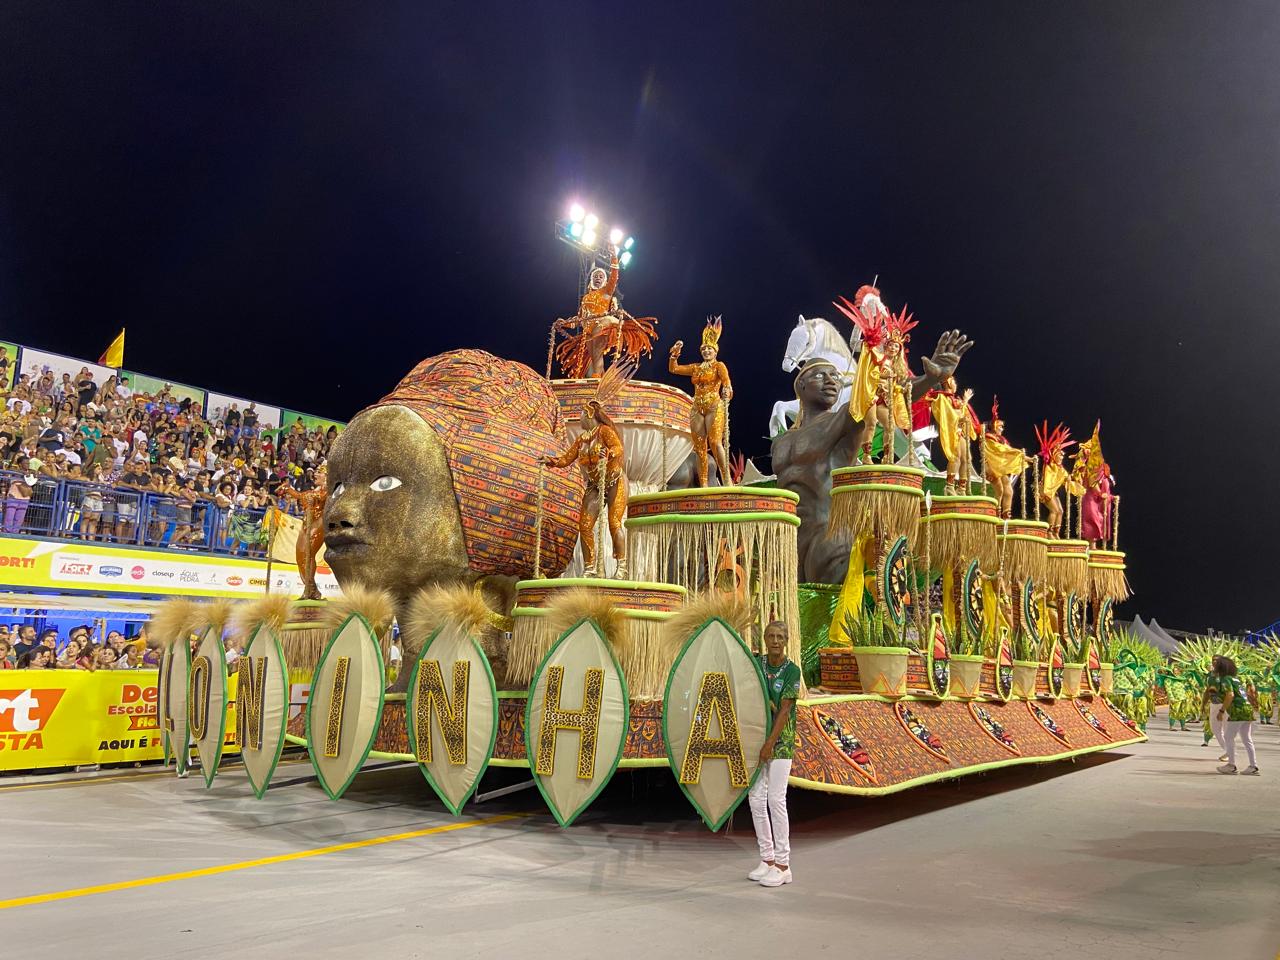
821 440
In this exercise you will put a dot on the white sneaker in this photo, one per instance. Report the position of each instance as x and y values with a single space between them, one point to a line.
1227 768
1250 771
759 872
776 877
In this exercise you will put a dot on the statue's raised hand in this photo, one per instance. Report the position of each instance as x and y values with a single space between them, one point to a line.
952 345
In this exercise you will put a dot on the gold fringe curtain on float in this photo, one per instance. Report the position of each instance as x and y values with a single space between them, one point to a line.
757 558
959 538
1107 577
892 511
1025 550
631 615
1067 572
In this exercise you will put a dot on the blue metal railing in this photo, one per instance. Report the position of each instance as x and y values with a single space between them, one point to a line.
92 512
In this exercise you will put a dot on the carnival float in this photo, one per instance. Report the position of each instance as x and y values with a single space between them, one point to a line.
579 572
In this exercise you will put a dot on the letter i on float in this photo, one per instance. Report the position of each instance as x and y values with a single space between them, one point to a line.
576 721
175 670
715 719
452 715
345 705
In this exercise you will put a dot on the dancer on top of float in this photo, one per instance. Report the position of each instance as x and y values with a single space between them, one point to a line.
882 368
957 427
1053 448
1003 461
311 536
712 391
1094 474
605 328
600 456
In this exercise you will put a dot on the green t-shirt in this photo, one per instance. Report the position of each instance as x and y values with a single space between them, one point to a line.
1216 687
1241 708
782 683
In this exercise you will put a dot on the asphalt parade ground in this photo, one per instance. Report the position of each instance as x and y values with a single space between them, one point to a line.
1144 852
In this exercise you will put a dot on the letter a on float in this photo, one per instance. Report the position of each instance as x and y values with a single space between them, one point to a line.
175 669
576 720
262 706
715 718
207 701
345 706
452 715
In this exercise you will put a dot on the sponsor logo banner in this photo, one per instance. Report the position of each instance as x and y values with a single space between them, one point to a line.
84 566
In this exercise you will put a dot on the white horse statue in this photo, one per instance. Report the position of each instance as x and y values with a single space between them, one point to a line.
812 339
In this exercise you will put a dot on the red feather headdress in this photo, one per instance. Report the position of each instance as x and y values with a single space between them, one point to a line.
1053 441
873 330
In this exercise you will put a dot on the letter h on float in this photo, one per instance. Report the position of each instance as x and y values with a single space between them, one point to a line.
585 721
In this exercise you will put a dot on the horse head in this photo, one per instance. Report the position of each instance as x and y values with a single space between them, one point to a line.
799 345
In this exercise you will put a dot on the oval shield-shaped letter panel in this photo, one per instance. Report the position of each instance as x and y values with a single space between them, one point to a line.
262 706
345 706
576 721
175 668
452 715
939 659
714 720
207 701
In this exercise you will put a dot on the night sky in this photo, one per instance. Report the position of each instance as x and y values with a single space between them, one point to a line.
296 202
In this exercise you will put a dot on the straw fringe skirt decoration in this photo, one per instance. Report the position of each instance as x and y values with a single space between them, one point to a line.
755 558
883 499
1107 577
962 529
1067 567
1025 547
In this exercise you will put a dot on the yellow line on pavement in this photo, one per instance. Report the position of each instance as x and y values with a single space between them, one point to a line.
247 864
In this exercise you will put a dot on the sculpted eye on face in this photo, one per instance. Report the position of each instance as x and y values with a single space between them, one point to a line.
385 483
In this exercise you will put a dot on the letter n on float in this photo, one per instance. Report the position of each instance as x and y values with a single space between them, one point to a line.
175 671
452 715
715 718
207 700
262 706
345 706
576 721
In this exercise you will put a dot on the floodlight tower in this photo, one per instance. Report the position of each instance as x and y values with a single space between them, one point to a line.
583 231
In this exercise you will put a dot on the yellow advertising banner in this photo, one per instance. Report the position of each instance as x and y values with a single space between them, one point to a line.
66 718
102 568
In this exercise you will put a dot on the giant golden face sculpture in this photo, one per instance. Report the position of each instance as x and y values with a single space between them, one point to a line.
438 481
392 520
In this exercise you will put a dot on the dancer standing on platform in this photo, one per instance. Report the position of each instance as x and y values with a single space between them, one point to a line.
768 798
712 391
1003 461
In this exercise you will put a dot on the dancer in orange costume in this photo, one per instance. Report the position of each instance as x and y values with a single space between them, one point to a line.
712 391
600 456
604 329
311 536
1053 448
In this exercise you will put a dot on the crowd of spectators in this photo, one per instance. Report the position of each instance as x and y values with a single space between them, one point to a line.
22 648
118 444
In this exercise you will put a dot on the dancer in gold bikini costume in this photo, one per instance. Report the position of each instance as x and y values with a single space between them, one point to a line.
600 456
712 391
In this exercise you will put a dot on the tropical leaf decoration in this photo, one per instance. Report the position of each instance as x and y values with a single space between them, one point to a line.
965 642
1024 646
873 629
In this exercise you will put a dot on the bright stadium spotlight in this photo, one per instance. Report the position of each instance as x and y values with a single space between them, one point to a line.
625 258
591 220
630 241
575 229
576 213
615 236
589 238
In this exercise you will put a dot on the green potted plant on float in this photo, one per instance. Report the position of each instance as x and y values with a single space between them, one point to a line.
1106 647
966 662
881 650
1025 664
1073 669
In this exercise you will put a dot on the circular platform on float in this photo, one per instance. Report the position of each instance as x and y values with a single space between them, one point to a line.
962 528
647 415
713 505
1067 570
643 651
874 497
1025 545
533 597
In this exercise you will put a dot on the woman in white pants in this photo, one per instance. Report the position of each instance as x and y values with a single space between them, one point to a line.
768 797
1237 712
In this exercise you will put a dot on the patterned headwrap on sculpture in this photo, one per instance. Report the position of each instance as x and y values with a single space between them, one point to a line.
495 418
